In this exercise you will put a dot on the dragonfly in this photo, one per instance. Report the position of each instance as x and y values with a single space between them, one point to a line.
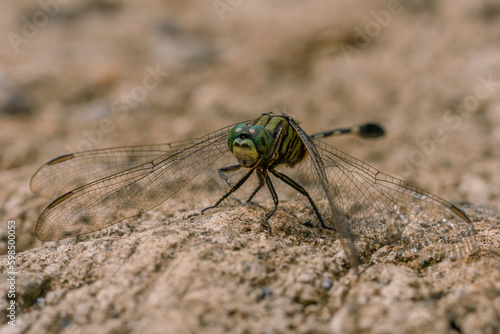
95 189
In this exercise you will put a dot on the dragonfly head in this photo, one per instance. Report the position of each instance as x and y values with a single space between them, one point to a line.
249 143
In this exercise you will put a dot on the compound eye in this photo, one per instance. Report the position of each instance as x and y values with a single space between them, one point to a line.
263 140
235 133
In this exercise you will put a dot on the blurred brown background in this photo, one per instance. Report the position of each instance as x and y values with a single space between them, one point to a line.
78 75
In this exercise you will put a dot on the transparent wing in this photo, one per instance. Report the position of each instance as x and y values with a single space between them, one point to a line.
71 171
367 205
131 191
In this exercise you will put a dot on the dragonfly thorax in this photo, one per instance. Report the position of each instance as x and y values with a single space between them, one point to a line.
248 144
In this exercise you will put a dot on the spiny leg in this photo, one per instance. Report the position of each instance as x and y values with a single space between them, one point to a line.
369 130
274 196
224 170
232 190
261 184
301 190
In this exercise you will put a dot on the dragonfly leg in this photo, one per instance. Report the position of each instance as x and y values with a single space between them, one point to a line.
261 184
224 170
301 190
274 195
233 189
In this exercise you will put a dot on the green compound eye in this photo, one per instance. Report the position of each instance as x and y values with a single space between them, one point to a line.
235 132
263 140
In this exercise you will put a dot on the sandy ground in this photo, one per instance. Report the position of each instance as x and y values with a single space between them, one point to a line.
103 73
